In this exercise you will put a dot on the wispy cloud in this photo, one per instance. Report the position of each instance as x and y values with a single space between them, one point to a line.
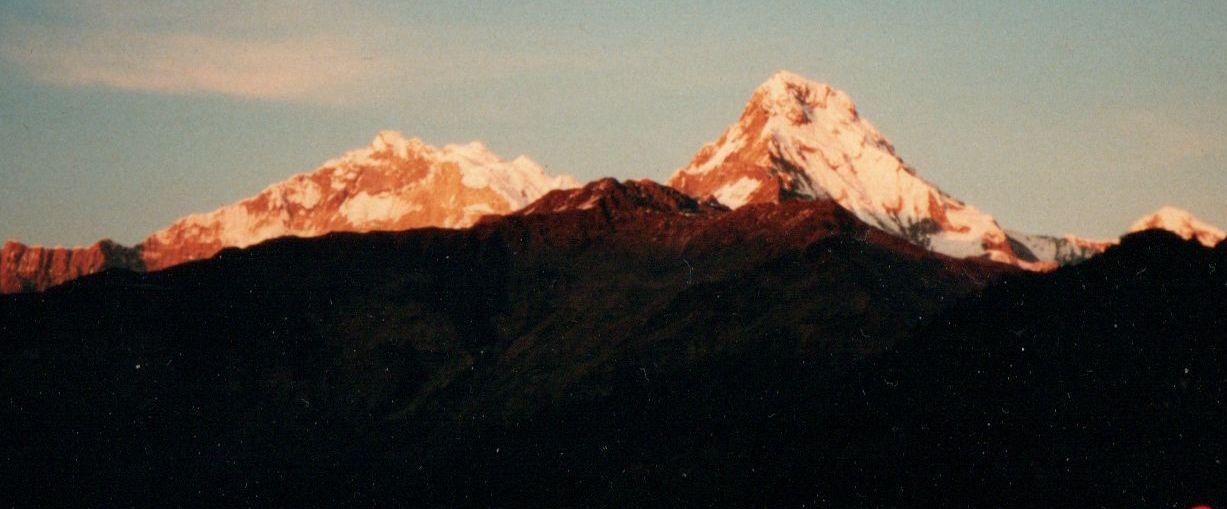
315 51
313 68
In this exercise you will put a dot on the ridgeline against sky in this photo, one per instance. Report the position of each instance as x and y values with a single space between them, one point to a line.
117 118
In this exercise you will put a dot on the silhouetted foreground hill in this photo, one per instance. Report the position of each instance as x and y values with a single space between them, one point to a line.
628 346
1102 384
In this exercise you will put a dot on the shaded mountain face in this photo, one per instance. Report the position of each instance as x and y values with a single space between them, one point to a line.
800 139
1062 251
611 197
624 344
393 184
1099 384
596 339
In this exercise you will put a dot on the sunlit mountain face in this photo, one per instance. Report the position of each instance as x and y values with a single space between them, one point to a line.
1182 223
796 139
394 184
800 139
796 319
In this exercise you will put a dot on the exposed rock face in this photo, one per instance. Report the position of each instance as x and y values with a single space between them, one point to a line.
611 196
24 268
393 184
800 139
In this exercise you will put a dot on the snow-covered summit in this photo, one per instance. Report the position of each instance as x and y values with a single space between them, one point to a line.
789 94
1182 223
519 181
798 138
394 183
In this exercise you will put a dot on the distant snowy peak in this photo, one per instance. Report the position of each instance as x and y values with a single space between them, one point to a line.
798 138
1182 223
1071 249
1066 250
395 183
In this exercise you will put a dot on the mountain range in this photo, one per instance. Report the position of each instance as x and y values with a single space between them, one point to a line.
393 184
797 319
796 139
623 344
409 365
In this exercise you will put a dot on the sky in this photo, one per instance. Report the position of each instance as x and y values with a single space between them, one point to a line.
118 117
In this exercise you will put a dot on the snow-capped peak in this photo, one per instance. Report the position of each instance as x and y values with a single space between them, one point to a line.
798 138
518 181
394 183
787 93
1182 223
394 142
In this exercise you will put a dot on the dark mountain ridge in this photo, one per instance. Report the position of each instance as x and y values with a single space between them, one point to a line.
308 367
621 344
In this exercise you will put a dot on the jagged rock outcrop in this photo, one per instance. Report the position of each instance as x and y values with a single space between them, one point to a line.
24 268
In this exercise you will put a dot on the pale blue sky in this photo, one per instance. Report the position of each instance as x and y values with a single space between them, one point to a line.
117 117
